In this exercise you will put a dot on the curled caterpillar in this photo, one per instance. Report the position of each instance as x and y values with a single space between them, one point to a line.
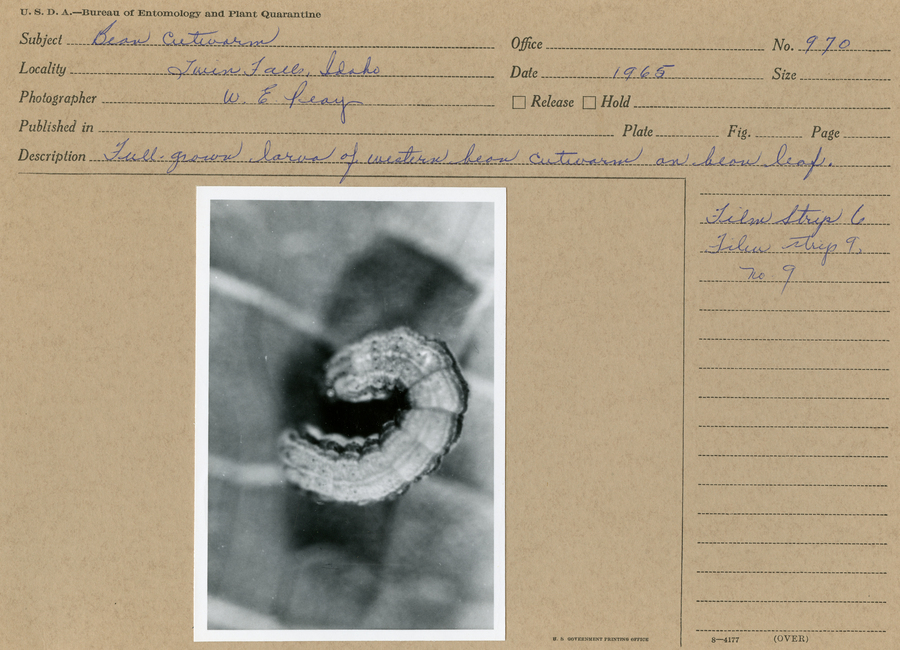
382 464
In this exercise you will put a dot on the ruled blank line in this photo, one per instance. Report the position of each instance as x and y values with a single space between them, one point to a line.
837 79
801 281
786 426
773 368
813 311
664 78
242 75
289 104
759 194
802 543
795 514
665 49
498 135
877 573
779 397
805 340
430 105
782 456
835 602
791 485
783 631
776 108
786 252
710 223
316 47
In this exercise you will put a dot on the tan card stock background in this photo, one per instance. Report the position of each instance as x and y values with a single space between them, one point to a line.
701 312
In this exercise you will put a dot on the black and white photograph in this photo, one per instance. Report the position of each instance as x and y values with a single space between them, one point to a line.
350 414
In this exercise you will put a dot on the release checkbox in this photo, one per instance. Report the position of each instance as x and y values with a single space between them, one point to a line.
589 102
518 101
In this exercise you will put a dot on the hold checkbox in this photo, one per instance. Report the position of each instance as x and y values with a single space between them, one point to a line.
589 102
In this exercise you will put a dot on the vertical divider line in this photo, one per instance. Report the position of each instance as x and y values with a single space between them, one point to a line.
683 362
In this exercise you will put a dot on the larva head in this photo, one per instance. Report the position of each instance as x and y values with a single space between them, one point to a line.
360 388
371 368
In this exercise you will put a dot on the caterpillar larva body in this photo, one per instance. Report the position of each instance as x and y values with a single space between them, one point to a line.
383 464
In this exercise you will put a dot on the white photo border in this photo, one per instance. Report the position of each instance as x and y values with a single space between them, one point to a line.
205 195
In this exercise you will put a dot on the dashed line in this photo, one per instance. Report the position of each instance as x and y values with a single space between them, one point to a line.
437 105
878 573
773 368
782 456
840 340
648 78
790 485
863 631
205 76
822 49
853 225
323 47
855 602
288 104
814 311
805 281
760 194
772 426
776 397
802 543
781 108
521 135
786 252
793 514
664 49
832 79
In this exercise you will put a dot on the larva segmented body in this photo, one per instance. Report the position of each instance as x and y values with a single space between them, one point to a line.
384 464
